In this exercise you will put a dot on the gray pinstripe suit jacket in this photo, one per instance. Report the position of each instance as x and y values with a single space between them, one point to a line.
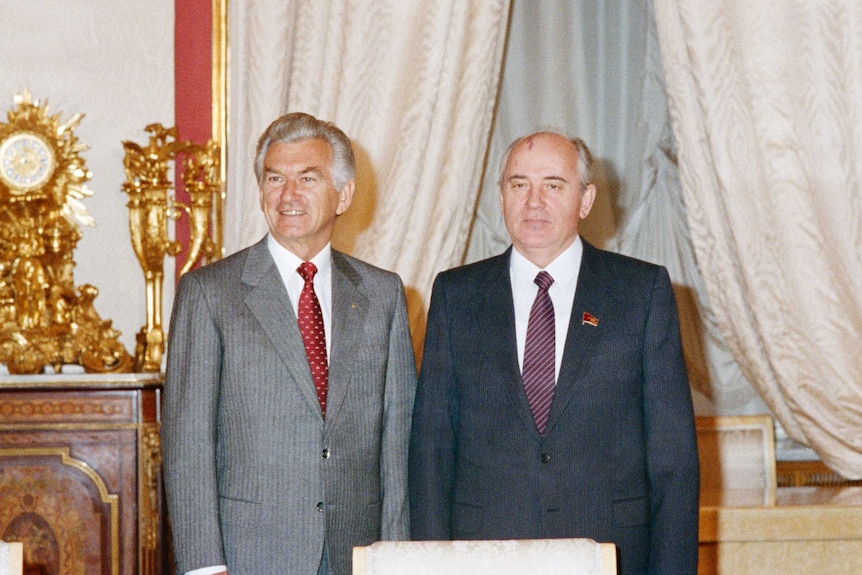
247 481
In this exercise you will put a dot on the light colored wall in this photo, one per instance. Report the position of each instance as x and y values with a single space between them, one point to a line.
113 61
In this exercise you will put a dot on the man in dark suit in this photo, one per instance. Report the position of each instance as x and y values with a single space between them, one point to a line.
290 382
576 425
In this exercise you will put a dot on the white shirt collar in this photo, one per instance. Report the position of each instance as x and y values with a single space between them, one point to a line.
287 261
564 269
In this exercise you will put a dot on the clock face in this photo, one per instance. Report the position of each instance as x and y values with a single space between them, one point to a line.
26 162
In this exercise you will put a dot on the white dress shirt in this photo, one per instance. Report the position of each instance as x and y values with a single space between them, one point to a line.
564 269
287 264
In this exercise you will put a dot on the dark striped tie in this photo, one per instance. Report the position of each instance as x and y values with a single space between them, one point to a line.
539 353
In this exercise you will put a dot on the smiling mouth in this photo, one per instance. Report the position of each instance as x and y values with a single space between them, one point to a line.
292 212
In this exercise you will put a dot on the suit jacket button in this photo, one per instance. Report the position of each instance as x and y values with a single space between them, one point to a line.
546 457
320 507
326 454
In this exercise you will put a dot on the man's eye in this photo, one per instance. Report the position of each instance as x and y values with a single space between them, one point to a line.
273 180
308 179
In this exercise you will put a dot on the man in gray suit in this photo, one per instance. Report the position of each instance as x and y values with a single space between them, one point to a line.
560 406
285 443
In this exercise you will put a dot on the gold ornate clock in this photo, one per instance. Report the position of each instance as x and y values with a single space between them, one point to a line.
26 161
45 320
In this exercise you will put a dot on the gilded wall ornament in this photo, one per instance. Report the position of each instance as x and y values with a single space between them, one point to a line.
45 320
151 205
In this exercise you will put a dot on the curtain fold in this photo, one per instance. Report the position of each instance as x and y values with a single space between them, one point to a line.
654 227
595 71
412 83
573 67
766 104
752 199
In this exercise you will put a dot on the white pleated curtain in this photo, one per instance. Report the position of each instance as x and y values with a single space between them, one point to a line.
601 78
766 103
412 83
765 99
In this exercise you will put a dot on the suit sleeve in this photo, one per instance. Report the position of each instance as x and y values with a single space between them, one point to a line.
671 439
189 429
400 391
432 442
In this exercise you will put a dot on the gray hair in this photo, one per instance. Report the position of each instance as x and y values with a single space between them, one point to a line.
298 126
585 157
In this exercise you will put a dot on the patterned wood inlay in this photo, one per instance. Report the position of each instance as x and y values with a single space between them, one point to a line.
27 410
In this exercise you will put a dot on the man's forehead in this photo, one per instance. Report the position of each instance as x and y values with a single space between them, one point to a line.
531 154
547 139
529 142
304 147
311 154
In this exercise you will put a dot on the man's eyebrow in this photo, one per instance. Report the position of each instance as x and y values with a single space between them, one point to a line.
306 170
544 179
311 169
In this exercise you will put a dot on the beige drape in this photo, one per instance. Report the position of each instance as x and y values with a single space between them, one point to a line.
413 83
766 103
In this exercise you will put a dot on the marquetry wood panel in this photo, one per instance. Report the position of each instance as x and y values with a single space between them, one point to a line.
80 467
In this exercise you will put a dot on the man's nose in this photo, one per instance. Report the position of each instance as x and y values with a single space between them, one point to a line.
535 197
288 190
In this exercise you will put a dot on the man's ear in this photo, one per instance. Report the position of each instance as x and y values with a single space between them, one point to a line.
588 196
345 197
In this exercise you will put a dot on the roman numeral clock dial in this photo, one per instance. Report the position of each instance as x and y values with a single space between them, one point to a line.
26 162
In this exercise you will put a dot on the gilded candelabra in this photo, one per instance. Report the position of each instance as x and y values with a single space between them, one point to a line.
148 186
44 319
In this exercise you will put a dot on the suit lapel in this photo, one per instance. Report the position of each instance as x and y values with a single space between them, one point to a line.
496 316
268 301
591 301
349 309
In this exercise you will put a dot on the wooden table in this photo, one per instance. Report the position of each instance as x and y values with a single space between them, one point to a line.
80 481
810 530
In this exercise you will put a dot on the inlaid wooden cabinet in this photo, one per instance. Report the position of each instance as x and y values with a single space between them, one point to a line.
80 472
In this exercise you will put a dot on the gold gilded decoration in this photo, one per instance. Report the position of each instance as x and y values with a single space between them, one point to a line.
148 504
148 185
44 319
219 112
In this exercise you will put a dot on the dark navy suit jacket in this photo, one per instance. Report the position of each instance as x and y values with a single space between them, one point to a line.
618 462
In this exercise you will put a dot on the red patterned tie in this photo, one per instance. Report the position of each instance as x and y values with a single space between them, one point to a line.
539 353
310 319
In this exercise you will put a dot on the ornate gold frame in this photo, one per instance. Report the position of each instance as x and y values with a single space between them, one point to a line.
219 111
